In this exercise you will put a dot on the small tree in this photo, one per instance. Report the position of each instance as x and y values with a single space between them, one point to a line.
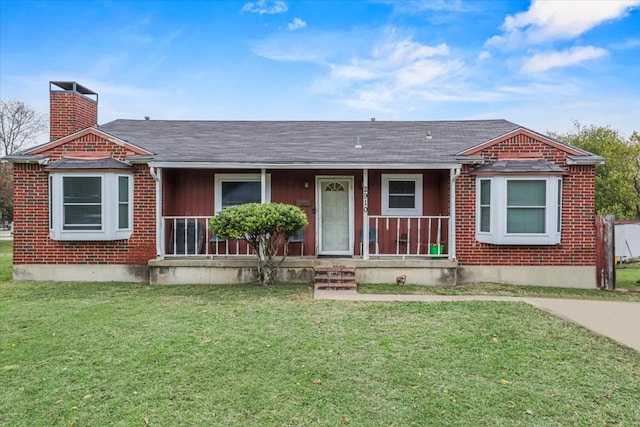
266 228
19 125
618 179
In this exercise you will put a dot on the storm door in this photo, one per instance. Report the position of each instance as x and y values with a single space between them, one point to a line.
335 219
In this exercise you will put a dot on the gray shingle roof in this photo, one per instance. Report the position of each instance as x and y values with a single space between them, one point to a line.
106 163
293 142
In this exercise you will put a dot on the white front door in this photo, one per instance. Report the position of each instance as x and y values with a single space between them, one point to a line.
335 222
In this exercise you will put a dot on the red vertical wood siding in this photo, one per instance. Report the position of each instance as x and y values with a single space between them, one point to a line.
191 193
435 201
188 192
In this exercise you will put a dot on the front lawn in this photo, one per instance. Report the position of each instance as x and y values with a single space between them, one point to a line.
6 260
623 292
134 355
628 277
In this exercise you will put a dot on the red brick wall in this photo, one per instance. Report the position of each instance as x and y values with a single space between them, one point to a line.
69 113
577 245
32 244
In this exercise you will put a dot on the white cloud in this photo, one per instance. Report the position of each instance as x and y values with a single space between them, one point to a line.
268 7
559 20
547 60
351 72
626 44
408 50
296 24
395 70
483 56
419 6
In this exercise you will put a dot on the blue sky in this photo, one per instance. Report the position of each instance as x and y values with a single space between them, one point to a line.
539 64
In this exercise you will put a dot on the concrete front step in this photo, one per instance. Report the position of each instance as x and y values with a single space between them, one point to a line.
336 277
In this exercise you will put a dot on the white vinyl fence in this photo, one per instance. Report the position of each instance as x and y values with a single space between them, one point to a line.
627 241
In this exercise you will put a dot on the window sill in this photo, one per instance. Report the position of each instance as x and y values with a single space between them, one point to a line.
521 240
90 235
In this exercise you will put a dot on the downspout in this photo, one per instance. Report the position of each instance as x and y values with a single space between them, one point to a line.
365 214
453 176
263 199
263 185
157 177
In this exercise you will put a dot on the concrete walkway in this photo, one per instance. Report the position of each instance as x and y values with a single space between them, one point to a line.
617 320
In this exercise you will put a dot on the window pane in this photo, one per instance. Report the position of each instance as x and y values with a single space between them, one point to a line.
82 189
123 215
237 193
123 202
525 220
485 205
82 217
526 193
82 200
559 211
485 219
485 192
402 194
402 187
402 202
123 189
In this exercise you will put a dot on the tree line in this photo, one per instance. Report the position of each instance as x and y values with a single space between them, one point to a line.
618 179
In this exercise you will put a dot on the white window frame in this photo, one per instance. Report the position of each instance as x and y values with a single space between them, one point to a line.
417 210
238 177
497 233
110 204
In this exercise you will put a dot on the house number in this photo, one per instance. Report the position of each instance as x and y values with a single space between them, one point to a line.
365 199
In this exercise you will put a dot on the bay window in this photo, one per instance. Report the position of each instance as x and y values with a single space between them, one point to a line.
519 210
90 206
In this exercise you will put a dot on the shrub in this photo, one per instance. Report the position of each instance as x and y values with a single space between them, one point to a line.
267 229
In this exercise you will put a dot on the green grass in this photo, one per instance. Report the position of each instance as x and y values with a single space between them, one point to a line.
628 277
127 354
626 294
6 260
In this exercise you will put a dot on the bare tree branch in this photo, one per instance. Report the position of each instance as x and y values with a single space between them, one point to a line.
19 125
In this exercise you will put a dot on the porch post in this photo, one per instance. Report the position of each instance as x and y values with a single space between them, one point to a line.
156 174
365 214
453 175
263 185
263 198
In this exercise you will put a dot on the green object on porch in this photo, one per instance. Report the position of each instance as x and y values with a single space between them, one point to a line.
436 250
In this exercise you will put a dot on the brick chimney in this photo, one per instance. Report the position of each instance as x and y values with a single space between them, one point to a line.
73 107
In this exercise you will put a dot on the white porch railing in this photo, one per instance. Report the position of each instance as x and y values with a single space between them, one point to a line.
408 236
423 236
190 236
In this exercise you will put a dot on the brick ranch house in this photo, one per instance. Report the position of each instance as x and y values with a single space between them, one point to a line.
443 202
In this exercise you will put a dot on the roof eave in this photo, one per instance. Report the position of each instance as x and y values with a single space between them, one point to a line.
585 160
236 165
25 159
139 159
470 160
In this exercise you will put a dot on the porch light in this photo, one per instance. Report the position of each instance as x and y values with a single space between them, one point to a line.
306 184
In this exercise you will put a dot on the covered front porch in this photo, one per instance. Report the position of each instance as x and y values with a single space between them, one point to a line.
360 214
